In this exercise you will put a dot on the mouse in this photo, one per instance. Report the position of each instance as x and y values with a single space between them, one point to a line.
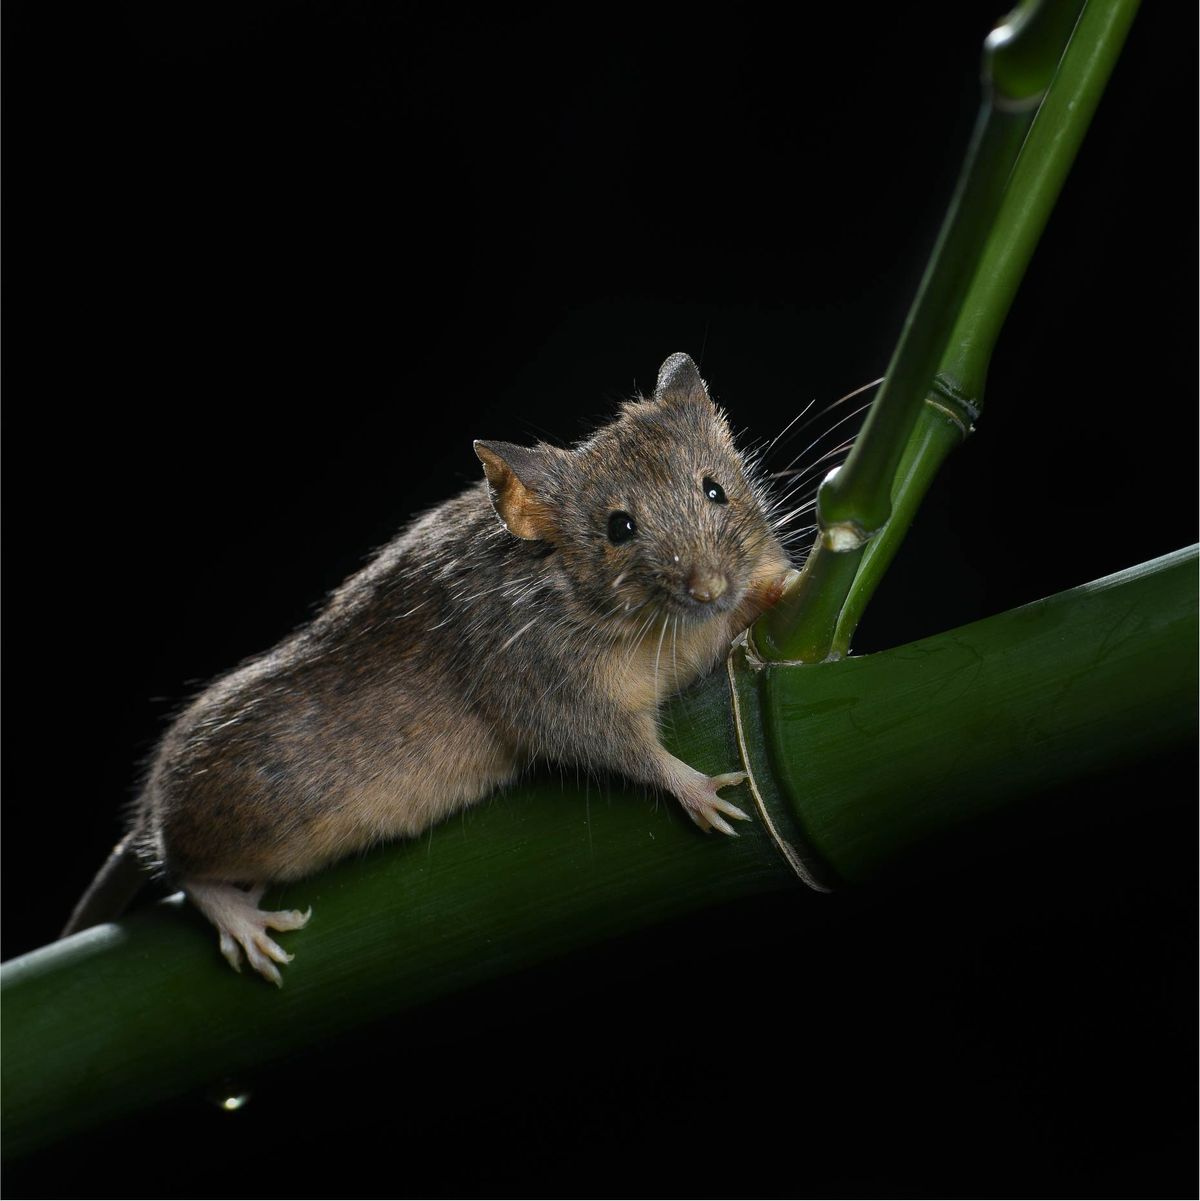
542 615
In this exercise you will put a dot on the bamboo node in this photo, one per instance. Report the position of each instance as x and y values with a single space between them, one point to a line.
798 856
843 536
954 404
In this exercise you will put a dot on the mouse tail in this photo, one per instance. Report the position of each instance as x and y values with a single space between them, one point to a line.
116 884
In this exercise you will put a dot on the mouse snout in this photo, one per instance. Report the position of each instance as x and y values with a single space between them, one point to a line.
707 584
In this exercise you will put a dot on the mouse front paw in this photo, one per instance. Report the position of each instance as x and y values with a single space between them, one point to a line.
702 804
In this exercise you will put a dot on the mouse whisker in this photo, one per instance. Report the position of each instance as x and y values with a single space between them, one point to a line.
809 468
809 481
804 508
848 417
658 654
824 411
802 533
675 646
644 630
783 432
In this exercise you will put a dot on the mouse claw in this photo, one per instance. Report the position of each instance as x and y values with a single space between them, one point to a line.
730 810
287 919
727 780
229 948
265 968
261 951
719 823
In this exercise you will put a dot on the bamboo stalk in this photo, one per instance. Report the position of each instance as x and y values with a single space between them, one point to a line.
868 756
854 503
918 739
956 396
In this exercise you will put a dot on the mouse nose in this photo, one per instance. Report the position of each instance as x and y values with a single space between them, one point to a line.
706 584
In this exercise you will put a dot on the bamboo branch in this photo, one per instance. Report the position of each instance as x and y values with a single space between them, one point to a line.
955 398
854 502
867 757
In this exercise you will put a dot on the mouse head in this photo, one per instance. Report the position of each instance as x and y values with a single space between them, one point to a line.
657 512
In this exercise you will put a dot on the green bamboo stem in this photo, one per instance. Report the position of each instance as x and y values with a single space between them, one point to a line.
824 580
867 756
941 428
1045 161
854 503
942 731
956 397
1022 52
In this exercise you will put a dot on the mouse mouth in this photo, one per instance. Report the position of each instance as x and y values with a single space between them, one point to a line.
675 602
694 596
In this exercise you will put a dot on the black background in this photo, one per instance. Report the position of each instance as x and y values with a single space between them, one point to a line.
271 267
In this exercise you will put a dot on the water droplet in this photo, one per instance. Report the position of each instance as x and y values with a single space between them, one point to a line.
228 1095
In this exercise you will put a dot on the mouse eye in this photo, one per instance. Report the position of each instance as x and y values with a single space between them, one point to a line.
621 527
714 491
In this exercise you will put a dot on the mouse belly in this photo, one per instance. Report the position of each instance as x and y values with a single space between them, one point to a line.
290 815
443 776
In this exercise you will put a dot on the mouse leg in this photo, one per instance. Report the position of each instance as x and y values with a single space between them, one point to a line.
243 926
698 793
628 743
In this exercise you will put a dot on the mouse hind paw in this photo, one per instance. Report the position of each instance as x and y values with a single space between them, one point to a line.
243 926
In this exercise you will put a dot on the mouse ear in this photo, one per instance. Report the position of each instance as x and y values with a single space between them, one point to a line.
679 380
518 478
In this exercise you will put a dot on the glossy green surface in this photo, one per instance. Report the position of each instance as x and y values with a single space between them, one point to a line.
802 625
937 434
1020 57
1023 49
855 503
860 493
1044 164
881 752
1024 64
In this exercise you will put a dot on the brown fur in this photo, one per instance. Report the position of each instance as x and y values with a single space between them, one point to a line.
462 653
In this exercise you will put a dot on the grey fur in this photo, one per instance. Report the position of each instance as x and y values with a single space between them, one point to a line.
461 654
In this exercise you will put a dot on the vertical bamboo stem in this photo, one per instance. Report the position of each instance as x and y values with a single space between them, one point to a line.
855 503
956 397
